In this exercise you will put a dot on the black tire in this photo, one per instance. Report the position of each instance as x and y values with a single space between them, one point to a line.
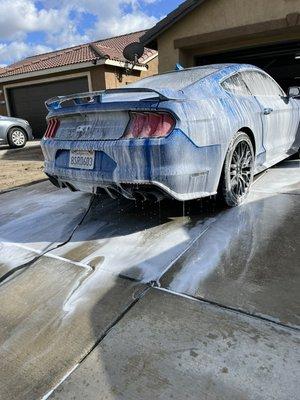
237 174
16 137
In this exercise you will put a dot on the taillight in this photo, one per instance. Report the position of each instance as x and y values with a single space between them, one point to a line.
149 125
52 127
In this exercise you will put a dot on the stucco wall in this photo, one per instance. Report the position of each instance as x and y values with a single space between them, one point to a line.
115 77
97 77
218 15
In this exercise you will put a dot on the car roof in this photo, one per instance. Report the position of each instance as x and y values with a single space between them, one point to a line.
218 67
186 78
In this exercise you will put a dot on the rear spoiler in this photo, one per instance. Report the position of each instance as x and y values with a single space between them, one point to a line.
55 103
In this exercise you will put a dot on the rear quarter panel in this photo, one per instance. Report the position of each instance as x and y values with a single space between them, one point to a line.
211 117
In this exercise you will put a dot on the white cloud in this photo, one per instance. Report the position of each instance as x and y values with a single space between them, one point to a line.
59 23
112 20
122 24
67 37
19 17
19 50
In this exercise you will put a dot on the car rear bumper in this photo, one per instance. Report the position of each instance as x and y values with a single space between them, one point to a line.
174 164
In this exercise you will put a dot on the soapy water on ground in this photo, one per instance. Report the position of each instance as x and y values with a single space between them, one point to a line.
83 263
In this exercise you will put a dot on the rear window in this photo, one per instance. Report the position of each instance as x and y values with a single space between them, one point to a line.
174 80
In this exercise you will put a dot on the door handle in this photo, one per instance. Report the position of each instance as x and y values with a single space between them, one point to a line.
267 111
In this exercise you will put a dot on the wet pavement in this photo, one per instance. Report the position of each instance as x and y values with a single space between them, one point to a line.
34 220
51 316
40 216
138 244
169 347
248 260
77 296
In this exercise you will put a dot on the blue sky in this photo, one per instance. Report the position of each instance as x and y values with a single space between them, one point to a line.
30 27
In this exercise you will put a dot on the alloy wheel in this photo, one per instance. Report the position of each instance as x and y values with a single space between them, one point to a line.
241 169
18 138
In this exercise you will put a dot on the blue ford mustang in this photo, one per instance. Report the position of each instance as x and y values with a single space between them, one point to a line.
185 134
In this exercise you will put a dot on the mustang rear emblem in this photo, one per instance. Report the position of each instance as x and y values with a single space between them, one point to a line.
83 129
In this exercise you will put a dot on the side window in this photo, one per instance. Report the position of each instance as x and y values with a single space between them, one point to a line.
235 84
261 84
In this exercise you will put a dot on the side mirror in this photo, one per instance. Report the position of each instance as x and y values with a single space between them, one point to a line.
294 91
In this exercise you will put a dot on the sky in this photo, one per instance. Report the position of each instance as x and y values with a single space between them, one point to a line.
29 27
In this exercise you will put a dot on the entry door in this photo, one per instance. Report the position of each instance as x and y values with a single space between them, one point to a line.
276 113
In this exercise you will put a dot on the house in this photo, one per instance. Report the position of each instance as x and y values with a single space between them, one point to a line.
26 84
261 32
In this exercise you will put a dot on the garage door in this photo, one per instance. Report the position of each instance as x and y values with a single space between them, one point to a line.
281 61
28 102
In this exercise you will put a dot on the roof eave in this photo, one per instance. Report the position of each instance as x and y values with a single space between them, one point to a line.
49 71
125 64
66 68
150 37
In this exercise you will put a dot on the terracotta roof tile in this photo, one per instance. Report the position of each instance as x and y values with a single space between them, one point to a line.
111 48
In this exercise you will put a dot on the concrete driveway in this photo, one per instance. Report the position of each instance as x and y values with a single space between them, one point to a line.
101 300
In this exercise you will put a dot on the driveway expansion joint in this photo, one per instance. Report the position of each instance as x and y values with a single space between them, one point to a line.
231 309
9 273
137 296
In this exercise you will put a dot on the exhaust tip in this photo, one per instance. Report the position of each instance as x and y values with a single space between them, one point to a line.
138 196
54 181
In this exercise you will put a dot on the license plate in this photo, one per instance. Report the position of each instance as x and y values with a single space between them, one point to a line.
83 159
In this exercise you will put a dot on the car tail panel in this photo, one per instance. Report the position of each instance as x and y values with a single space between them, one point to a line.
110 115
108 125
